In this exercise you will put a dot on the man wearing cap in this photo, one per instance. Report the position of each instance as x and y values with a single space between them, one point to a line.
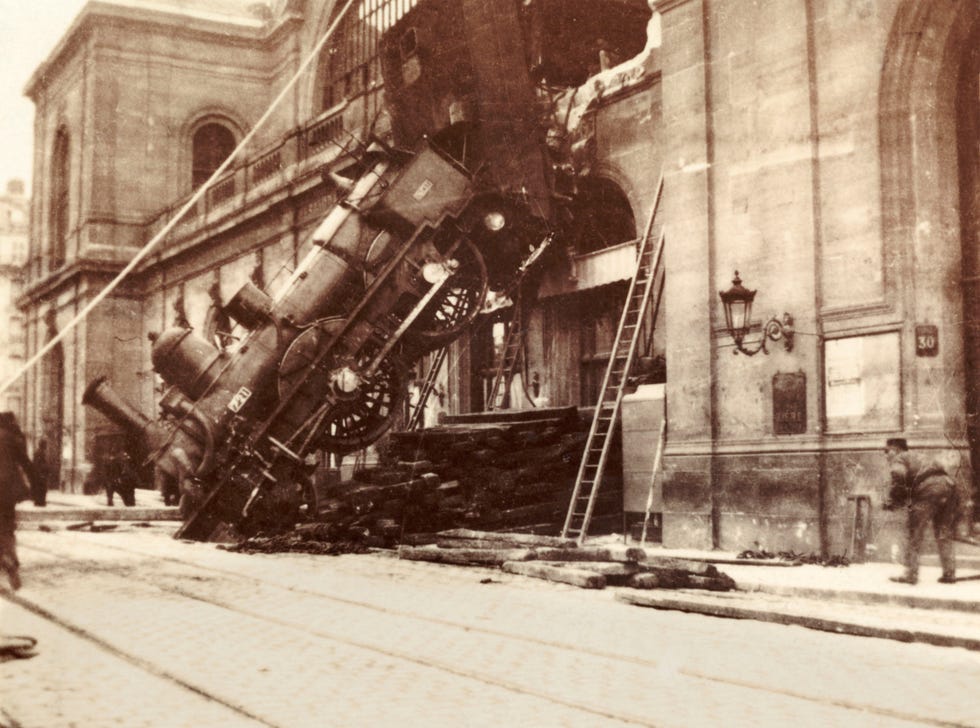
924 487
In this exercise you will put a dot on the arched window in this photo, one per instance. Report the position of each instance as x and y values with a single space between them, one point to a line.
60 197
350 65
210 146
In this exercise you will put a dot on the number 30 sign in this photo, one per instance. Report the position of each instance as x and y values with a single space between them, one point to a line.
926 340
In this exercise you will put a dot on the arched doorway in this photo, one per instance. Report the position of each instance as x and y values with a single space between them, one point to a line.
968 153
929 116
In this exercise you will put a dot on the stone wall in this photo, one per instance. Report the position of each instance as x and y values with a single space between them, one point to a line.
778 167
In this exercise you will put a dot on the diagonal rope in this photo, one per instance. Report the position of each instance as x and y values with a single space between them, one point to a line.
190 204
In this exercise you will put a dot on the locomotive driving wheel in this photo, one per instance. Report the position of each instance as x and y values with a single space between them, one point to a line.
459 300
356 421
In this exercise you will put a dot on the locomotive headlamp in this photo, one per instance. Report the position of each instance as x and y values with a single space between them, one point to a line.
494 221
437 271
346 380
738 317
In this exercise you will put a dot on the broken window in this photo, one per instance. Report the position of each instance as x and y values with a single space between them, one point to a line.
603 215
570 40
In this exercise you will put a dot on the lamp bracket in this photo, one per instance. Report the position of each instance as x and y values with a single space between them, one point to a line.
775 330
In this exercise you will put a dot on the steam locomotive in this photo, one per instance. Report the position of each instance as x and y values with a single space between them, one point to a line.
400 266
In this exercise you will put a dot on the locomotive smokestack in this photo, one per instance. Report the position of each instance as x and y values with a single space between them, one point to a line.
100 395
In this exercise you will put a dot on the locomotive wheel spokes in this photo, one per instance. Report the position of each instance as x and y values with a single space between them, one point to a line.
356 423
459 301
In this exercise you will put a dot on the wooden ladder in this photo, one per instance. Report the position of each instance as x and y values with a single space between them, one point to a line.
510 357
418 413
597 446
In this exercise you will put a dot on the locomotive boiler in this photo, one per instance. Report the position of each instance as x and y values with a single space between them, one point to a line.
400 266
397 268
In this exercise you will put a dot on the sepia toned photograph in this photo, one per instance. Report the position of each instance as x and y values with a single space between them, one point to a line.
464 363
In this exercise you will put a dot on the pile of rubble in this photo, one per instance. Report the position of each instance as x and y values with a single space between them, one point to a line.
313 538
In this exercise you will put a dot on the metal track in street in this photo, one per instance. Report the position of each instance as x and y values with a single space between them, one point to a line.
345 637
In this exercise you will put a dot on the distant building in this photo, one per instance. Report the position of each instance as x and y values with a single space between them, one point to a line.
826 151
14 216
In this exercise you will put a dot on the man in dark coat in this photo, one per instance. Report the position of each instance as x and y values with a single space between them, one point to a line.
923 486
15 465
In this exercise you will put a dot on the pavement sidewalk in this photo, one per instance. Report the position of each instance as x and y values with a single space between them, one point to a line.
80 508
866 583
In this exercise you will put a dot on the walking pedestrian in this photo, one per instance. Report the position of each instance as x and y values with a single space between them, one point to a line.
39 488
923 486
15 466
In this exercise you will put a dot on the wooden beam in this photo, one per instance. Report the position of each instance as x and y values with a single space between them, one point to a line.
562 574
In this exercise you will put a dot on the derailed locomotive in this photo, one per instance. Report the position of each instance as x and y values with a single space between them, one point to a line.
400 266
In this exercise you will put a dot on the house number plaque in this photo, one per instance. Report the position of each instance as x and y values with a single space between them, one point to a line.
789 403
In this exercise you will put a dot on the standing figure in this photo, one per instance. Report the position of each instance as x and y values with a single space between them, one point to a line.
15 465
120 477
42 470
923 486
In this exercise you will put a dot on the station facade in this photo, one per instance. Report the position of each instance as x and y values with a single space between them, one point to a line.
824 149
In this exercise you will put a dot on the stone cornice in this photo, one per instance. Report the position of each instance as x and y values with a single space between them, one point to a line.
48 286
91 13
811 444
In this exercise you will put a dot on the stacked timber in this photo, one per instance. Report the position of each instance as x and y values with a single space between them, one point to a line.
516 469
505 470
558 560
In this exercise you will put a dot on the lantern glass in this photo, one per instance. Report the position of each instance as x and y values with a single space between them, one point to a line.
738 309
738 318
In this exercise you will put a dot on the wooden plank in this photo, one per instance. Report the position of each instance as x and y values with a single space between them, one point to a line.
539 414
564 575
658 580
419 539
616 572
464 557
675 579
722 582
612 552
701 568
463 534
745 562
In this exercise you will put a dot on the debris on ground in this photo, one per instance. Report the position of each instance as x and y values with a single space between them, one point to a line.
17 647
560 560
319 539
92 526
795 557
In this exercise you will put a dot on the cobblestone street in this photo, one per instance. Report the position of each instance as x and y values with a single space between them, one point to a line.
137 629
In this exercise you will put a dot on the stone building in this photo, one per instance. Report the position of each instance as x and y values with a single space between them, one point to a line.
14 211
825 149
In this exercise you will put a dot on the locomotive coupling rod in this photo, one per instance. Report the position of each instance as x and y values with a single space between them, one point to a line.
285 450
445 272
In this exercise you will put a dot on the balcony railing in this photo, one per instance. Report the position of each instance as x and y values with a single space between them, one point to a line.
303 143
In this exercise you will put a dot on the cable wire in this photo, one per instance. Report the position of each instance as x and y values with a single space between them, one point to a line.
145 251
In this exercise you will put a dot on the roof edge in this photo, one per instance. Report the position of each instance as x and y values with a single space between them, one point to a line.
156 13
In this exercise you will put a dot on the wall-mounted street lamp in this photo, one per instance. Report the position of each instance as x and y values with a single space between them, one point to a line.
738 317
